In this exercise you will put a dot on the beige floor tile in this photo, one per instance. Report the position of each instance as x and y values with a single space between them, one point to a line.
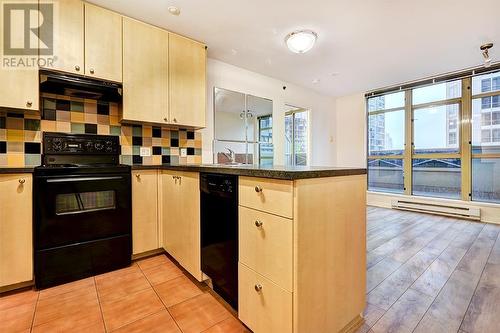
115 287
130 308
177 290
18 298
68 287
199 313
230 325
153 261
162 273
17 318
119 272
81 303
160 322
73 323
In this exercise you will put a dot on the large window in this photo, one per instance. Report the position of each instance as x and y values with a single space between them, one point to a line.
265 140
296 136
386 142
438 140
486 138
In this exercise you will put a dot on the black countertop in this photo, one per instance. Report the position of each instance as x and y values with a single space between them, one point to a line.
275 172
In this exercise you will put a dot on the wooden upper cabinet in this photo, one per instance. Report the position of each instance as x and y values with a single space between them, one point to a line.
68 36
145 72
103 43
19 88
16 250
187 81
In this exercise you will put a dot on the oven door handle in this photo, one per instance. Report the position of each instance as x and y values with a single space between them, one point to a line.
81 179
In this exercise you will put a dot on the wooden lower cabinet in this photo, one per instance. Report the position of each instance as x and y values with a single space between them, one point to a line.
180 198
303 271
16 249
262 305
144 211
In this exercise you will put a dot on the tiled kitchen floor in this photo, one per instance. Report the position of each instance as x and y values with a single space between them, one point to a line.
152 295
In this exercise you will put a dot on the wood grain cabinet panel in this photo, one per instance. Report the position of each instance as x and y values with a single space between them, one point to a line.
16 250
103 43
265 245
144 211
180 199
269 195
263 306
187 81
68 36
145 72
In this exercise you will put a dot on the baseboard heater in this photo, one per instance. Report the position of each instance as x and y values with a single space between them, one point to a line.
440 209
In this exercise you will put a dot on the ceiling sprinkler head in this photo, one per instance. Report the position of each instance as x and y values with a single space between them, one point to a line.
485 48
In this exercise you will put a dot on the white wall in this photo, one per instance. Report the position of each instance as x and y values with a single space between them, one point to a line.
350 131
322 108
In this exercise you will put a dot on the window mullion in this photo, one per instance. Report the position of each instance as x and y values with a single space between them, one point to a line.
466 138
407 164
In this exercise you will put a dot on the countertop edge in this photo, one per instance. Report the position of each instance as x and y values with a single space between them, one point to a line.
261 173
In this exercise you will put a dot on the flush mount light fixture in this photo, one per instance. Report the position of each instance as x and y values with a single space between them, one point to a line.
301 41
486 56
174 10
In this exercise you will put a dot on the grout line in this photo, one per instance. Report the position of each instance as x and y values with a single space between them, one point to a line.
34 310
100 307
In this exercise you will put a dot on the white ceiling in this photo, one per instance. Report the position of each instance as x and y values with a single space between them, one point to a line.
362 44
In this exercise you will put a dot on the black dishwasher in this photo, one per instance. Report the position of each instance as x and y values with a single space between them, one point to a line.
219 233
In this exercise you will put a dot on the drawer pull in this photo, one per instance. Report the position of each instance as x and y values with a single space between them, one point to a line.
258 223
138 175
258 287
22 181
258 189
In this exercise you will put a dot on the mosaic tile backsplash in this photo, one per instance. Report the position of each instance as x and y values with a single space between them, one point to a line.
21 134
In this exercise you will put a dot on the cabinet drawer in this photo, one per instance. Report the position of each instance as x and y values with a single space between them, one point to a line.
265 245
269 195
263 306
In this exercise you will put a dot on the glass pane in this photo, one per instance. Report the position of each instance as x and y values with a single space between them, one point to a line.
288 139
300 138
486 179
486 83
388 101
435 129
386 175
257 107
229 115
386 132
437 177
69 203
437 92
266 154
486 125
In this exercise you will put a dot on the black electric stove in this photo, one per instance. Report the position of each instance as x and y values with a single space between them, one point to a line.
82 223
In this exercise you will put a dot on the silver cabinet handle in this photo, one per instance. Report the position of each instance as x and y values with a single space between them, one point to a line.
175 120
165 119
258 287
77 68
22 181
138 175
91 71
259 223
258 189
29 104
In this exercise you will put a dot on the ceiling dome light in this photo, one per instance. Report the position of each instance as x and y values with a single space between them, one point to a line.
487 59
301 41
174 10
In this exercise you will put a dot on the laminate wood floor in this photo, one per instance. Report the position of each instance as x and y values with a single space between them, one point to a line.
431 274
152 295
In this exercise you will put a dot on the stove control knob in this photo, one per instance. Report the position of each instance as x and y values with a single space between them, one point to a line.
89 146
99 146
57 144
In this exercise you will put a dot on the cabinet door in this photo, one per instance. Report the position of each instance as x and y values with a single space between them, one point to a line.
145 72
68 36
181 219
144 211
19 88
16 249
187 68
103 43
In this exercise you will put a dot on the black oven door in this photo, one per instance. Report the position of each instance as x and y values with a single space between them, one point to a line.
79 208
